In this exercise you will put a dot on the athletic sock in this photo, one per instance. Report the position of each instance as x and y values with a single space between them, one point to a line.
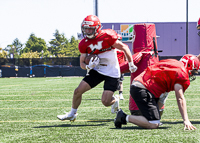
127 118
73 111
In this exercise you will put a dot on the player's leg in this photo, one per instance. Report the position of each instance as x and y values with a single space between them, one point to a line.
138 113
86 84
107 98
121 87
77 97
110 86
122 119
148 106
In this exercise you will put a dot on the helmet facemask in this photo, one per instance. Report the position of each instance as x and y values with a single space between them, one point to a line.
191 64
192 76
89 34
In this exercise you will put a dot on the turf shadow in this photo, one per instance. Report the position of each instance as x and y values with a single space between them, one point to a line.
101 120
68 125
91 99
181 122
137 128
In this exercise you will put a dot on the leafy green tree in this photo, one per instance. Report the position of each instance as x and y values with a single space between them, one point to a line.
62 47
34 44
73 50
58 44
46 54
3 54
14 48
30 55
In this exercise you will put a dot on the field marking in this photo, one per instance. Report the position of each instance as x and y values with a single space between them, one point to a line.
195 99
106 120
34 93
38 100
11 85
81 108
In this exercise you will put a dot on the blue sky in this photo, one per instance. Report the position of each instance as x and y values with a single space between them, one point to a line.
20 18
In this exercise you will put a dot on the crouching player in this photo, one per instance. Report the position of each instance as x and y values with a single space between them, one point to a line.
164 76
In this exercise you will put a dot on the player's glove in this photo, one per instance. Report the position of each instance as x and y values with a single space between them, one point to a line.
132 67
92 63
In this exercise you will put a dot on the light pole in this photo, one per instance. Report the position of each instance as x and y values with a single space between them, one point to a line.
96 7
186 26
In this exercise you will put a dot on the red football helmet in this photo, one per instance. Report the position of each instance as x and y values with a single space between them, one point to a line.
198 24
93 23
191 63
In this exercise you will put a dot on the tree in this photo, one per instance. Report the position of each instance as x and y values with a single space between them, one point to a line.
30 55
62 47
34 44
58 44
73 50
14 48
3 54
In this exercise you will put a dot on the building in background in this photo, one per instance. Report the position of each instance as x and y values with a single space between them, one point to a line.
171 37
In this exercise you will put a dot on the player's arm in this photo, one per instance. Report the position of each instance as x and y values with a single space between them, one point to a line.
121 46
182 106
82 59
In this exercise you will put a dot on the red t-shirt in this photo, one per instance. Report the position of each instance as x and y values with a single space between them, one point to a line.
103 42
163 75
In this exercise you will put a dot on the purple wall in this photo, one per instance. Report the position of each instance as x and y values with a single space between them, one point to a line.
172 38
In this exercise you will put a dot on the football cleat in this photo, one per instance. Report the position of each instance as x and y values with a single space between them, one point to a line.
115 106
67 116
120 119
121 97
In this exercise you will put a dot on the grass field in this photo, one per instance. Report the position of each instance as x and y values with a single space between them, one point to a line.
29 106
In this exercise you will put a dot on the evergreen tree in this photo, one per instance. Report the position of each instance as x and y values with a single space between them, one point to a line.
34 44
57 45
72 49
62 47
14 48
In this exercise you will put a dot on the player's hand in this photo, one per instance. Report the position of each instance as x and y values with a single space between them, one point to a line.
132 67
93 63
189 126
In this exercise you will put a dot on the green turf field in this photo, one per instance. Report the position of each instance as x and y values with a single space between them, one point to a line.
29 106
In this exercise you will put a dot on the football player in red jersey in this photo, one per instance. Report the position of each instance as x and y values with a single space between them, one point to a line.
164 76
105 68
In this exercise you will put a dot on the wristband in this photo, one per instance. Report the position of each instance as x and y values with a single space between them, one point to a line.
130 64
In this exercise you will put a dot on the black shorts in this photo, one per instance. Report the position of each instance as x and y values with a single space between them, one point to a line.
121 78
146 102
94 78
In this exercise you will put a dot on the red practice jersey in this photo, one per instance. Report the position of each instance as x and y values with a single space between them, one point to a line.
163 75
103 42
120 56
